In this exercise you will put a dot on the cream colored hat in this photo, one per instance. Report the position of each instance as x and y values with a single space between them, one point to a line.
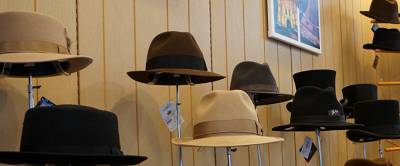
39 40
225 119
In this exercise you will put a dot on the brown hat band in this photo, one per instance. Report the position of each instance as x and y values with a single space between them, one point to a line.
227 127
30 46
177 62
258 87
317 119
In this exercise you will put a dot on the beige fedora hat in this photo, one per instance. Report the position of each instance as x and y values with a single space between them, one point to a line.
225 119
38 40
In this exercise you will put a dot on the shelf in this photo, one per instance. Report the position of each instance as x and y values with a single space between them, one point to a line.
388 83
385 51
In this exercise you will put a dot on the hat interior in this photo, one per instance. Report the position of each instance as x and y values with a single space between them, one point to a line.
38 69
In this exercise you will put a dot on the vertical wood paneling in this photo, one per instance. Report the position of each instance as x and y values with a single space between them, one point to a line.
52 87
90 36
13 94
358 39
120 90
154 136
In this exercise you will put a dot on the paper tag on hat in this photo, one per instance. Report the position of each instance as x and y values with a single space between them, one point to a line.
311 154
168 113
306 147
374 27
43 102
375 61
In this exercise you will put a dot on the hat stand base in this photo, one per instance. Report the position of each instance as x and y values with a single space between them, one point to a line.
258 146
319 146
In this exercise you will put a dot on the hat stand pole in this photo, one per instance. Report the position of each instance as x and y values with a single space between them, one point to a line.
365 152
258 146
380 148
178 112
319 146
228 152
30 91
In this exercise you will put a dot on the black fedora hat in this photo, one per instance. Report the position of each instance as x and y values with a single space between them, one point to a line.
174 53
69 135
384 11
314 108
385 39
257 79
321 78
356 93
381 120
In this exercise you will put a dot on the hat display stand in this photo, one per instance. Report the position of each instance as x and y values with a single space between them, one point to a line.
319 146
258 146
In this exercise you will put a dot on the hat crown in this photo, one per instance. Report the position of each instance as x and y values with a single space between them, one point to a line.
360 92
250 73
224 105
318 78
376 112
385 9
70 129
23 25
314 101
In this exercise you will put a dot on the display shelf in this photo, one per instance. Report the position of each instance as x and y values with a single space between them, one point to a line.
388 83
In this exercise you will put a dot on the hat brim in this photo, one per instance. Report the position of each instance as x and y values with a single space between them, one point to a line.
366 13
265 98
360 135
76 63
377 46
313 126
226 141
8 157
199 76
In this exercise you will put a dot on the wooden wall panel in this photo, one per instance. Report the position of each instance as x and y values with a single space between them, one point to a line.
13 93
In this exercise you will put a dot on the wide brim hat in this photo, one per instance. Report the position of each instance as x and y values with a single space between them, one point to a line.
257 79
225 119
38 40
365 162
381 120
314 108
69 135
385 39
384 11
174 53
356 93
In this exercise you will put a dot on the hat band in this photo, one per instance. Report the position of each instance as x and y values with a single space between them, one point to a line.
258 87
30 46
71 149
176 62
227 127
389 129
317 119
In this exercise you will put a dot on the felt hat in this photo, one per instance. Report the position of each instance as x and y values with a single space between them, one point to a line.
257 79
381 120
385 39
384 11
174 53
314 108
365 162
38 40
69 135
225 119
321 78
356 93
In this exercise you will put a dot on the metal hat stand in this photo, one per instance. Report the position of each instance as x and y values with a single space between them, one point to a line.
7 69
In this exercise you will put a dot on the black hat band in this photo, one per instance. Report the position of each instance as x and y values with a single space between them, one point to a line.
317 119
258 87
73 149
176 61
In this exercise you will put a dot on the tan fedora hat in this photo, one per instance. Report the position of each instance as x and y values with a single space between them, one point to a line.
225 119
38 40
365 162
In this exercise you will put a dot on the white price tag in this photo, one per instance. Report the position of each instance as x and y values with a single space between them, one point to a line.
306 147
168 113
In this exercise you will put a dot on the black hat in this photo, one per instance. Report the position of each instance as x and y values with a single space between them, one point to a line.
314 108
257 79
70 135
174 53
321 78
356 93
385 39
384 11
381 120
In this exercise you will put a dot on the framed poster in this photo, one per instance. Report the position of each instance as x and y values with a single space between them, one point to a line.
296 22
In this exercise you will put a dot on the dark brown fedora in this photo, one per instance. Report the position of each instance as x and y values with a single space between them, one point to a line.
257 79
356 93
174 53
365 162
384 11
